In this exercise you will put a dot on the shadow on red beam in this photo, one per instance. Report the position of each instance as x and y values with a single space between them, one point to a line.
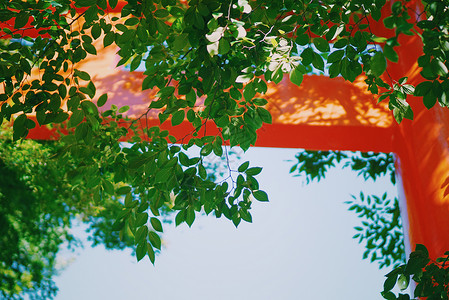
352 138
30 31
335 137
182 132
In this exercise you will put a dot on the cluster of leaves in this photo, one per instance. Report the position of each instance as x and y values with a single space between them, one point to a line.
381 226
435 59
432 277
381 229
431 25
154 175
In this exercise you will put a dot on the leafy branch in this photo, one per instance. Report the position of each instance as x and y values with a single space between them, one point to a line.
431 277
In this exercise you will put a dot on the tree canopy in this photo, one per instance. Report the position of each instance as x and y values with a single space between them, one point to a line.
38 207
210 61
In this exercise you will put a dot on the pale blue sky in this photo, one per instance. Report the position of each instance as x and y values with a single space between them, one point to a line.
299 246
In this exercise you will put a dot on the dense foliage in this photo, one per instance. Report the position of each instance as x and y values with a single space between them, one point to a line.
431 277
38 203
222 51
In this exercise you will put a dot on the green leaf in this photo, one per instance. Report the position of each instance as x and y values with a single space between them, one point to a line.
378 64
260 101
223 46
29 124
178 117
264 115
302 39
135 63
335 56
76 118
21 20
123 190
162 175
151 255
206 150
84 3
180 217
401 109
307 56
180 42
166 92
278 75
217 146
123 109
96 31
172 139
341 43
261 196
82 75
388 295
389 22
108 39
408 89
81 131
157 225
318 62
422 251
190 216
162 27
249 91
334 69
202 171
332 32
243 166
161 13
429 100
245 215
89 108
296 76
321 44
141 219
390 54
253 171
102 100
62 89
390 282
141 251
90 48
423 88
132 21
191 98
141 235
155 240
19 126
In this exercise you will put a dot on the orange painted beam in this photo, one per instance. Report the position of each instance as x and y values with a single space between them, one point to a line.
422 146
350 138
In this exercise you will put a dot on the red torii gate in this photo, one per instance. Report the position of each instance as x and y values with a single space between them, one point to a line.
333 114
